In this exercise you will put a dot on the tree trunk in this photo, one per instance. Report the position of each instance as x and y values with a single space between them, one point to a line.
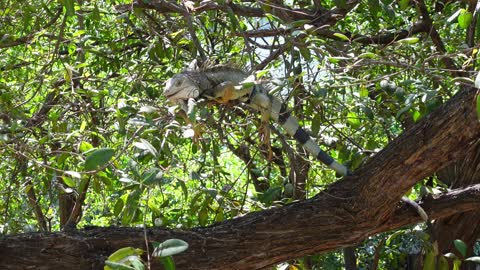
464 226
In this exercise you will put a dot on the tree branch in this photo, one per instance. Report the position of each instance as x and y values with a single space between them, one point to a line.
221 246
348 212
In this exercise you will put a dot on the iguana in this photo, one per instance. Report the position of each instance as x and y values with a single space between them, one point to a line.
219 83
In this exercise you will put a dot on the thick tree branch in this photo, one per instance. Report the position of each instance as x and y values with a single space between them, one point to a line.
222 246
348 212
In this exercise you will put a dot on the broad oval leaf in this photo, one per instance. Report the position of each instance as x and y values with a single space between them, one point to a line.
170 247
461 246
98 158
464 19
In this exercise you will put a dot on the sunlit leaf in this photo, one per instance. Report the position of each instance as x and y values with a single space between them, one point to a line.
98 158
117 209
411 40
429 262
169 247
123 253
443 263
403 4
456 264
464 18
341 36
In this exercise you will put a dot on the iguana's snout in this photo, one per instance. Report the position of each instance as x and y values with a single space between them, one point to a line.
180 88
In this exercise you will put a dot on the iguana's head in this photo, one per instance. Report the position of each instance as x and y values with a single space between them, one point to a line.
180 88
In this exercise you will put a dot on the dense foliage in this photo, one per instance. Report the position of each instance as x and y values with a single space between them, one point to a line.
88 140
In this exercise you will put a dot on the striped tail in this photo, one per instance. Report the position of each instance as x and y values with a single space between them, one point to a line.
280 114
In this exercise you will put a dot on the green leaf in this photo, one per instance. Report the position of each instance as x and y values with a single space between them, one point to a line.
416 116
168 263
203 216
411 40
429 262
69 181
317 120
363 92
443 263
98 158
299 23
78 33
169 247
69 7
337 59
403 4
464 19
353 120
117 209
149 147
367 55
84 147
340 3
123 253
461 246
478 107
341 36
109 265
306 53
454 16
456 264
393 236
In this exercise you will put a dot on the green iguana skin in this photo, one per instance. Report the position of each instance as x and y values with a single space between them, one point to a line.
198 83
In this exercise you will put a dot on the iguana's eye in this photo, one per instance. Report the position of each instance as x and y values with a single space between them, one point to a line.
178 83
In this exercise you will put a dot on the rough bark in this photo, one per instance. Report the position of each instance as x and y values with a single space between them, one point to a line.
251 242
464 226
